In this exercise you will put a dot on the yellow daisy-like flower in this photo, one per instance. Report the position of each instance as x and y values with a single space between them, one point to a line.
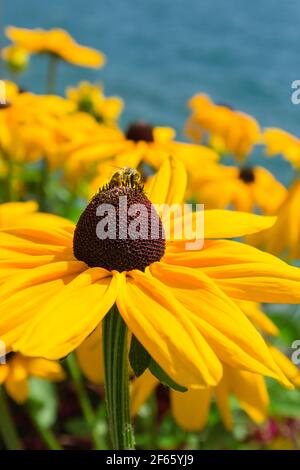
14 374
230 131
66 280
16 57
8 92
141 142
91 99
284 236
280 142
245 189
57 42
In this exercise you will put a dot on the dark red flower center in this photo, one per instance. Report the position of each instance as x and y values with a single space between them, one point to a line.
138 131
119 230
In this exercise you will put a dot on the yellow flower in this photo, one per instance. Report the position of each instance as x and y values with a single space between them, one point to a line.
66 280
8 92
281 142
18 369
230 131
191 409
245 189
57 42
91 99
16 57
284 236
141 142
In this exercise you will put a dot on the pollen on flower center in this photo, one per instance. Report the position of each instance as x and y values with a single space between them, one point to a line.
247 175
138 131
119 230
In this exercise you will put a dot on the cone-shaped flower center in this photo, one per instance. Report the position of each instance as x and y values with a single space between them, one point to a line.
247 175
140 131
120 229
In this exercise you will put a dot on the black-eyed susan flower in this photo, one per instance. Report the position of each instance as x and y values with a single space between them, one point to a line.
140 143
17 369
284 237
280 142
245 189
228 130
56 42
90 98
157 285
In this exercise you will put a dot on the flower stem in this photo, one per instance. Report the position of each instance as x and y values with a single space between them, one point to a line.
117 381
44 174
47 436
51 74
7 425
84 400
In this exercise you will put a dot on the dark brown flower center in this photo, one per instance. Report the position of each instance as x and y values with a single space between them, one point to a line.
140 131
247 175
5 105
119 230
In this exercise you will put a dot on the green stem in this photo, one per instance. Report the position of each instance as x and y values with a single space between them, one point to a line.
84 400
117 380
46 435
44 173
51 74
7 425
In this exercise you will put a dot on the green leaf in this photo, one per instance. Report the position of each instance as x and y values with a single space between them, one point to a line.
43 402
161 375
138 356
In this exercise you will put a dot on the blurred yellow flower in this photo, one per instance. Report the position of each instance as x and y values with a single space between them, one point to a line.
62 288
16 58
279 142
245 189
228 130
14 374
57 42
91 99
284 237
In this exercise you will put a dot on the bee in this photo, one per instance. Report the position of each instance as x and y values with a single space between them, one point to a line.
126 177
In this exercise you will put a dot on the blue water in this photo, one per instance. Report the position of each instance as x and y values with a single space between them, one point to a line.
161 52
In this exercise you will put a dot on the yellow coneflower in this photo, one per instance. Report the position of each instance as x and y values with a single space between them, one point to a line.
284 237
245 189
48 310
14 374
229 131
280 142
56 42
141 142
90 98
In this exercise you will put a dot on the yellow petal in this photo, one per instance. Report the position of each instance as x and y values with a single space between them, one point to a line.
288 368
141 389
90 356
157 320
169 184
227 330
191 409
258 317
63 323
4 370
45 369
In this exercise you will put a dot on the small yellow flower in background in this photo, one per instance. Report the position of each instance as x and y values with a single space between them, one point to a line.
18 369
91 99
245 189
57 42
229 131
66 280
280 142
16 58
284 237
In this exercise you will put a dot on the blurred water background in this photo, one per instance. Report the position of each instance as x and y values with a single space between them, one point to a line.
161 52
